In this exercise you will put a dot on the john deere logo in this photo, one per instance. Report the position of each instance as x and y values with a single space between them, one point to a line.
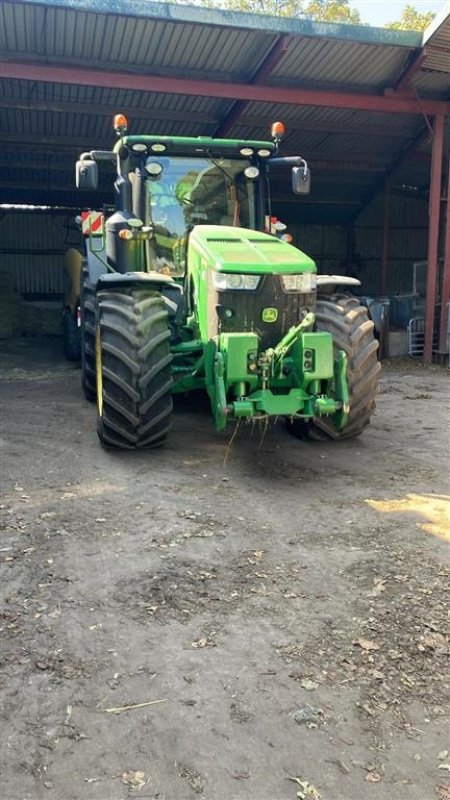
269 315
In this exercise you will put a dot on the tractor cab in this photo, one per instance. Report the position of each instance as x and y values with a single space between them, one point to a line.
184 191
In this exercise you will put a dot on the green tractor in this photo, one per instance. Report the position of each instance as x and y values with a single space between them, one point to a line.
184 289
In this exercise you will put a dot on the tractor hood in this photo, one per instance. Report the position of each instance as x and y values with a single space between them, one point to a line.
229 249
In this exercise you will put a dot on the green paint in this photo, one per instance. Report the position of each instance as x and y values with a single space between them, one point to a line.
227 249
341 390
190 143
237 350
316 355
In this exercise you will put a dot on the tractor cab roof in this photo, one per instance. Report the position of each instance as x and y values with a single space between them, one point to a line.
201 145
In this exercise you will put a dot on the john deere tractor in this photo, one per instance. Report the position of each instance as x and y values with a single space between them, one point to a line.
184 289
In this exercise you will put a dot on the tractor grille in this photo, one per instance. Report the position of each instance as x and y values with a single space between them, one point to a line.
247 308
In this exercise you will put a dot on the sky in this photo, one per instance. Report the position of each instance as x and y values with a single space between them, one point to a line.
379 12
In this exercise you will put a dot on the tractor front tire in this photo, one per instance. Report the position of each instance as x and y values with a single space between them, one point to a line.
133 367
71 336
352 331
87 336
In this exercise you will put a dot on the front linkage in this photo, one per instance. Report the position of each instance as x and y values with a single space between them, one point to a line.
298 378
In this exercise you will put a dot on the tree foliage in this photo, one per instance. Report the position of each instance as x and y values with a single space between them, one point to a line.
323 10
338 11
332 11
412 20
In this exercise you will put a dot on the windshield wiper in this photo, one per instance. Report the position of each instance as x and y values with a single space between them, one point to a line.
213 161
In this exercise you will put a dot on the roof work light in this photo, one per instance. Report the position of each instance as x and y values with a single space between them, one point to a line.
120 124
278 131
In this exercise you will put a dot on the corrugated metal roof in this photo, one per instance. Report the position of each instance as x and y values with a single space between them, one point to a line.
206 42
435 74
105 101
433 83
319 61
436 40
145 37
74 36
218 17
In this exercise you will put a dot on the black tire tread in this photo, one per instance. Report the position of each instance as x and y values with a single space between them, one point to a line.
87 336
136 368
71 336
353 332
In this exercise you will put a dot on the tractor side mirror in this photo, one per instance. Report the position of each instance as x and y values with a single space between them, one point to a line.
301 179
86 174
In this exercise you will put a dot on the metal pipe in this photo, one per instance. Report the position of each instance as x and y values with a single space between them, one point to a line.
286 161
433 233
99 155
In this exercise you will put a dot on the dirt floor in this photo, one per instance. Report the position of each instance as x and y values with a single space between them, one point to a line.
273 613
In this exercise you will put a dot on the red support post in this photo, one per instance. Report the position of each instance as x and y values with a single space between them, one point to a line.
385 238
433 233
445 298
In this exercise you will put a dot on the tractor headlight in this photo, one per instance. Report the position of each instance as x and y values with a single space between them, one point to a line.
303 284
251 173
232 280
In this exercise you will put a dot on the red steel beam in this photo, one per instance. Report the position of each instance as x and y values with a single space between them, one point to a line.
445 299
275 55
433 233
410 70
230 91
272 60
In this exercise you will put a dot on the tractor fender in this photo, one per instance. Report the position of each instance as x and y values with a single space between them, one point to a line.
144 280
170 290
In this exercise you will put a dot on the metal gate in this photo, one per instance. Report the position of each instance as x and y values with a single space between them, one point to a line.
416 337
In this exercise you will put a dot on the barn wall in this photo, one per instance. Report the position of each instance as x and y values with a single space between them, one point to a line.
326 244
357 250
32 247
408 239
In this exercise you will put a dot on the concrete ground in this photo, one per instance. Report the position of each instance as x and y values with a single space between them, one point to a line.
272 613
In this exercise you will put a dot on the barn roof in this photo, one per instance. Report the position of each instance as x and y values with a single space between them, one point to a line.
356 100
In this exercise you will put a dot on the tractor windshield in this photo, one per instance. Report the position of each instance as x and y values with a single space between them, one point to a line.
187 191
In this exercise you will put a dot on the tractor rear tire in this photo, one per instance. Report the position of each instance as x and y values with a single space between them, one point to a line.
71 336
134 377
87 336
352 331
